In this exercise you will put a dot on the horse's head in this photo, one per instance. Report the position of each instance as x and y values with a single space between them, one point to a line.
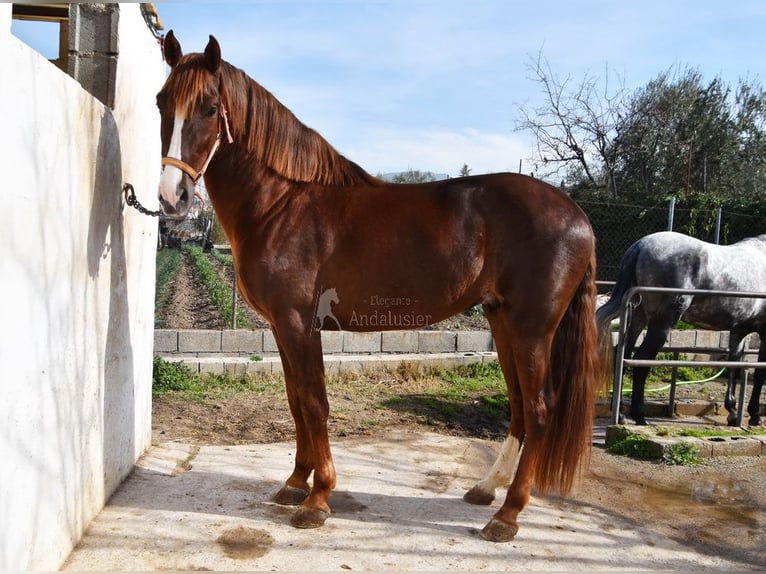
193 120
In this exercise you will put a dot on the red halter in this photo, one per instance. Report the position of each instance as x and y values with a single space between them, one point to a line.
223 125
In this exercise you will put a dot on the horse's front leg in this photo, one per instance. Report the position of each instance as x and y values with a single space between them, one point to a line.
754 406
736 348
301 350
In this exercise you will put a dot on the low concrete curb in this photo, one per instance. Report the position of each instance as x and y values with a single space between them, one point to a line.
204 343
707 447
334 363
241 351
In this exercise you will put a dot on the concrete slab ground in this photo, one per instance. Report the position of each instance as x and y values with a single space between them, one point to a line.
397 506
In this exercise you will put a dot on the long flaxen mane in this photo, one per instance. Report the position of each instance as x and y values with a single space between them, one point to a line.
270 131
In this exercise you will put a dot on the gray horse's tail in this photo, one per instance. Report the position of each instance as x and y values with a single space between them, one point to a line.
626 278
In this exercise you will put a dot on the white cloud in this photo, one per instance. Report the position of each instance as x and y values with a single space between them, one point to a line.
439 151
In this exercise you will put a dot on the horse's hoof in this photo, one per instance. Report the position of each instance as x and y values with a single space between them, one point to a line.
731 420
639 420
290 496
309 518
499 531
755 421
479 496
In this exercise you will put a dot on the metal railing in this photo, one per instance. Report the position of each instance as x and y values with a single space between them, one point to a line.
620 360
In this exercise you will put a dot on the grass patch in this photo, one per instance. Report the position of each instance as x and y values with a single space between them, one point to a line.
174 379
682 454
634 446
471 395
220 293
166 265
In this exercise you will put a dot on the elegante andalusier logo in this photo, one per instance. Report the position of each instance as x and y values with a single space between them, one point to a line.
376 312
323 308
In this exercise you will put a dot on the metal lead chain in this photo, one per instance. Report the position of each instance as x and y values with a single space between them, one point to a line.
132 200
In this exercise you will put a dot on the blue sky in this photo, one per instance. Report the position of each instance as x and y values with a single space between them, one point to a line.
433 84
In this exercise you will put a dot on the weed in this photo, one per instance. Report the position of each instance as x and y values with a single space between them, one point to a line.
634 446
175 378
171 376
682 454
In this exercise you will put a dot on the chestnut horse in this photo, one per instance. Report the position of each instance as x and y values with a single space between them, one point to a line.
303 220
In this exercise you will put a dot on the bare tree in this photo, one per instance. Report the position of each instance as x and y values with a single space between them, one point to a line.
577 126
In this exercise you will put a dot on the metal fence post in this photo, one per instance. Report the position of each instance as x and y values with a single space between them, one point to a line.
671 212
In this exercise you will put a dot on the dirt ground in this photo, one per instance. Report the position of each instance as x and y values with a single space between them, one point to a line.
719 507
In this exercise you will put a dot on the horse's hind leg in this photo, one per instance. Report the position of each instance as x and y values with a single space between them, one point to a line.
532 361
525 362
501 472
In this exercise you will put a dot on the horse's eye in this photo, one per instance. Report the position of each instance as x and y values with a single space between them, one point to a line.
211 112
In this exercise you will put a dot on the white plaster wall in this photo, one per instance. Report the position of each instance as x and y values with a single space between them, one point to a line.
76 290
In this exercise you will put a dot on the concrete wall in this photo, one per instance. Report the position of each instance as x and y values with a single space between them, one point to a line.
76 289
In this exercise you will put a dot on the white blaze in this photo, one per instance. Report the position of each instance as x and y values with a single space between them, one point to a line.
171 175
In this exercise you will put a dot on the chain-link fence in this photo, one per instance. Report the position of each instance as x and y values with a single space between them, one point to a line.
617 227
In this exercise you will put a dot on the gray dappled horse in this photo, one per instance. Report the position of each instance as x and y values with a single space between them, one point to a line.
669 259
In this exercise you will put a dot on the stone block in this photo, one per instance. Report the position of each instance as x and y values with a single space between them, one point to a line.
199 341
683 338
211 367
399 342
332 342
269 342
242 341
475 341
361 342
734 446
437 341
165 341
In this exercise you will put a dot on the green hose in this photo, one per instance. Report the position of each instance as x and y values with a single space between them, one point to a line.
625 390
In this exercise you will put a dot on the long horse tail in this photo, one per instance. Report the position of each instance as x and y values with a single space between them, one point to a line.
626 279
574 363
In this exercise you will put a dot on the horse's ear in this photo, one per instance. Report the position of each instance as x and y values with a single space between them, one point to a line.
173 52
213 55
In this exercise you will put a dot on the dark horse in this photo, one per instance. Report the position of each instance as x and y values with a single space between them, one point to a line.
669 259
311 231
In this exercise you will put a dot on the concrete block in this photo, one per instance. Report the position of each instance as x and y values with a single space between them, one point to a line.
242 341
361 342
269 342
399 342
474 341
165 341
723 340
198 340
734 446
94 28
332 341
211 367
707 339
256 367
437 341
695 408
235 367
471 358
683 338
